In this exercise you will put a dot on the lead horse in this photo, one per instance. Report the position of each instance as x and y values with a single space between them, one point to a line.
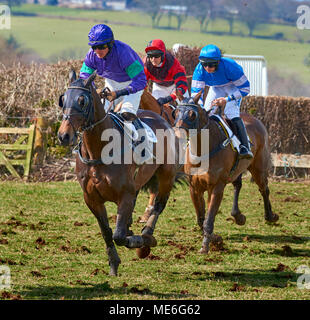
223 166
84 112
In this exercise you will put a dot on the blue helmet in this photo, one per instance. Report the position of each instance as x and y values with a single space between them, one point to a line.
210 53
100 34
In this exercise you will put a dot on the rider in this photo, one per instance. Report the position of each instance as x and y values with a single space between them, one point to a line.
228 84
121 67
166 72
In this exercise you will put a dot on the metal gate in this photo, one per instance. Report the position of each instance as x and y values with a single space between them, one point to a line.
255 68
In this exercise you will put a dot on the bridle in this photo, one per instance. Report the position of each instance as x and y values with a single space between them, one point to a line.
191 124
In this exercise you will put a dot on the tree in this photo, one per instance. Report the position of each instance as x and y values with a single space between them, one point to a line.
151 8
229 12
203 12
12 3
254 12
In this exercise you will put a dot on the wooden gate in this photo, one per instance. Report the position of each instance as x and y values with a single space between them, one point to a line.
9 155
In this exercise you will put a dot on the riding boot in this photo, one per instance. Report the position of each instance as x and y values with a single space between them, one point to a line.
137 124
245 151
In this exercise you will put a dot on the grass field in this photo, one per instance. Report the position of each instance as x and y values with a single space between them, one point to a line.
53 246
53 37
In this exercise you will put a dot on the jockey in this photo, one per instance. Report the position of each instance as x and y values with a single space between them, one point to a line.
166 72
228 84
121 67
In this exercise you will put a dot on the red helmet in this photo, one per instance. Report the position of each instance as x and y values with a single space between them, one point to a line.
156 46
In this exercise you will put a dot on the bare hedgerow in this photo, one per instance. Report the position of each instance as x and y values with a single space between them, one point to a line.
33 90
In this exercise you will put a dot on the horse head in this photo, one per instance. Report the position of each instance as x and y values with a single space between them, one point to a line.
189 115
77 107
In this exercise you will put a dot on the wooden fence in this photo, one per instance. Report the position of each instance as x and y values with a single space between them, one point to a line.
9 153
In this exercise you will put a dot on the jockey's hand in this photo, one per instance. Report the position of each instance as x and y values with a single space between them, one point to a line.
219 102
164 100
111 96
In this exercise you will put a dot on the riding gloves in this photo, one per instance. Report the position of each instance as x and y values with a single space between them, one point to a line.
164 100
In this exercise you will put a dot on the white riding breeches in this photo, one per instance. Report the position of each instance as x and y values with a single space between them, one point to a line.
232 109
159 91
130 103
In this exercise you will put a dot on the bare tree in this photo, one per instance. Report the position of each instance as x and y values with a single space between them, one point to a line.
151 8
254 12
203 11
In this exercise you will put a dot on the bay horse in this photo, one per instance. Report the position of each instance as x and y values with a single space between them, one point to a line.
84 112
221 169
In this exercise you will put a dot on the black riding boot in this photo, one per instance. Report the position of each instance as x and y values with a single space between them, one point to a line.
245 151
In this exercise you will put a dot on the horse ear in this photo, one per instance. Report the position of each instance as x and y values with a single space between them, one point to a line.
197 97
72 75
90 79
61 101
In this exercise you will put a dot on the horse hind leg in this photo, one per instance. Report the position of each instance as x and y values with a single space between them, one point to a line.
261 179
153 192
165 184
235 211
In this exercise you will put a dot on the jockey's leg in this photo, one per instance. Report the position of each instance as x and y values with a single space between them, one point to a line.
232 112
159 91
129 110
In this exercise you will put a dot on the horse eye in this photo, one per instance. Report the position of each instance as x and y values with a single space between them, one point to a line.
192 115
83 101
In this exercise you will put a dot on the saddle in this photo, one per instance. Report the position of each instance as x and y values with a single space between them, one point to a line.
227 127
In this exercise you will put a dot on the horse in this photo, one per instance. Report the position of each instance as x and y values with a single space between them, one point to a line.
148 102
223 167
84 114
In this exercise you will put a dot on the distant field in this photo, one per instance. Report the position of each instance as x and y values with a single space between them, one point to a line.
50 37
53 246
135 17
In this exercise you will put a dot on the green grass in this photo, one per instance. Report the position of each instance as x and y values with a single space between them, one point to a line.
71 262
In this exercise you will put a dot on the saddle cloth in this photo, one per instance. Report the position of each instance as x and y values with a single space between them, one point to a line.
129 130
234 141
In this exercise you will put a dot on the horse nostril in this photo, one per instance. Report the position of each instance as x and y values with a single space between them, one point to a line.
64 138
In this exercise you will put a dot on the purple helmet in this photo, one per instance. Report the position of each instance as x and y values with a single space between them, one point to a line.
100 34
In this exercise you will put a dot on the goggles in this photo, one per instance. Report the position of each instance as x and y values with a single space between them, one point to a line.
156 55
100 46
209 64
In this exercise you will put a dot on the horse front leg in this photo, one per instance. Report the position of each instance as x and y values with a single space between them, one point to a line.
198 200
216 196
124 219
99 210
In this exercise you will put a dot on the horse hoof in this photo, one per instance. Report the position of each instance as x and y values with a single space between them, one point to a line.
274 218
216 243
240 219
113 269
143 252
149 240
129 233
204 250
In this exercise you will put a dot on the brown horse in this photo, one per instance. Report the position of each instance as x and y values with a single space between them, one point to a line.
222 166
118 183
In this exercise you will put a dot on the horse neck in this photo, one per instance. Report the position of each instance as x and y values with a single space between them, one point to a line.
92 138
215 137
148 102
